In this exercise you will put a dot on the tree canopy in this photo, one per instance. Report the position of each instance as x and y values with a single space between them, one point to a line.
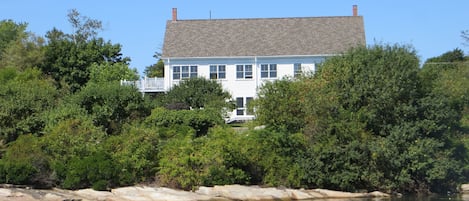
372 122
198 93
69 57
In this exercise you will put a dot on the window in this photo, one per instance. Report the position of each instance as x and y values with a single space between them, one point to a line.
241 107
248 101
268 70
193 72
244 71
184 72
297 70
217 71
176 72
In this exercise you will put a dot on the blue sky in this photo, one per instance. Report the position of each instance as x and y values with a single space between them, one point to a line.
432 27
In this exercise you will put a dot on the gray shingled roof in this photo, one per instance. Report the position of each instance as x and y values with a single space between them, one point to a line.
262 37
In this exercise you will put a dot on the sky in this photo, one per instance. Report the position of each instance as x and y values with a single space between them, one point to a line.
431 27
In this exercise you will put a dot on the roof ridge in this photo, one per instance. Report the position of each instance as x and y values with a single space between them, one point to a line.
266 18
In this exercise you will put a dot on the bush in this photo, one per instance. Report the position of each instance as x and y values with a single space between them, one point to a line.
199 120
217 159
24 163
274 157
97 170
111 105
23 96
136 150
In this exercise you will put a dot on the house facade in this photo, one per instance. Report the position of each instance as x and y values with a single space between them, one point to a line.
243 54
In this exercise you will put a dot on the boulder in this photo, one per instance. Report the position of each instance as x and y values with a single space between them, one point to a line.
95 195
464 188
238 192
160 194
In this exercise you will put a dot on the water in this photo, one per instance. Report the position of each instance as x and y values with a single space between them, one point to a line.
456 197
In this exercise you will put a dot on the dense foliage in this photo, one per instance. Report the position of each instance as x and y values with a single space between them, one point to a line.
374 120
370 118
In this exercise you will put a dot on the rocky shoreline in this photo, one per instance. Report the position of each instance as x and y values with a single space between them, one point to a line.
146 193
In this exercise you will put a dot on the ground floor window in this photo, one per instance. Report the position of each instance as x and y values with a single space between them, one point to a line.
242 104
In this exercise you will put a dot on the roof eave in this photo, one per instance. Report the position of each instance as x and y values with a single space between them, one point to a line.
245 57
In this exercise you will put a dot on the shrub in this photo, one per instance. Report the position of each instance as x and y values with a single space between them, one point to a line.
217 159
24 163
97 170
199 120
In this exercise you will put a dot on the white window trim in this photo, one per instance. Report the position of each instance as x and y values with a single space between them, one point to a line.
295 74
180 71
269 71
244 71
217 71
244 107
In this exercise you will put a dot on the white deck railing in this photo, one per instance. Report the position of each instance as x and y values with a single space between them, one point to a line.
147 84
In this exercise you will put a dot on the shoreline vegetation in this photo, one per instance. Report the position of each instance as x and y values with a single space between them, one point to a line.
371 118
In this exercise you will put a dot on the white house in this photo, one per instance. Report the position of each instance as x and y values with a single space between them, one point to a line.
242 54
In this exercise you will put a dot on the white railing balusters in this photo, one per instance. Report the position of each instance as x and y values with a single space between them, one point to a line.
147 84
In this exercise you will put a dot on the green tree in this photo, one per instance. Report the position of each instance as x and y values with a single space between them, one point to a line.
199 93
375 94
10 32
279 105
24 97
19 48
84 27
111 72
155 70
25 52
111 105
69 57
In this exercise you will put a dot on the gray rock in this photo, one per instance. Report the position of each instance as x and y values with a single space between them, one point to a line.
465 188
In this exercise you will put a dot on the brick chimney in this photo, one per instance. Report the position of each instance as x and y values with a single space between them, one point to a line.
175 14
355 10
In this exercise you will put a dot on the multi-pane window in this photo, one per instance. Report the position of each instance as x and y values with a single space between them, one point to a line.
239 106
184 72
244 71
248 101
176 72
217 71
297 70
242 106
268 70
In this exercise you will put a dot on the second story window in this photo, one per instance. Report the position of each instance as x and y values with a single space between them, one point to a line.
184 72
244 71
297 70
268 70
217 71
